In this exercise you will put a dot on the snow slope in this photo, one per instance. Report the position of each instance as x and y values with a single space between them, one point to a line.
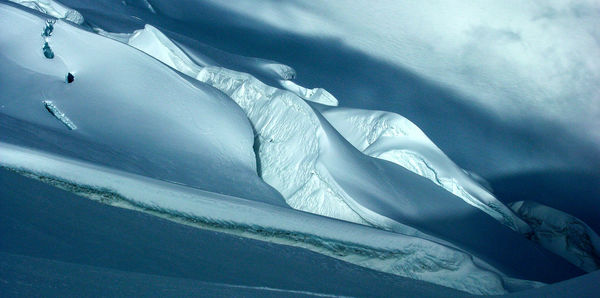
394 138
290 160
128 112
56 243
188 139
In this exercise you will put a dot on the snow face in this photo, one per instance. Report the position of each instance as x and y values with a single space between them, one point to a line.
394 138
562 234
191 144
53 8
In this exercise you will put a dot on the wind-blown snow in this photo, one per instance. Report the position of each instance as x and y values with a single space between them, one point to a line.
562 233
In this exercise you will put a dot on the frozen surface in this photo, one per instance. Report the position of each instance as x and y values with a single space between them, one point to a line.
169 124
562 233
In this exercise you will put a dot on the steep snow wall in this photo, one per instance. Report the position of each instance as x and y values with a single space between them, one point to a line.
562 234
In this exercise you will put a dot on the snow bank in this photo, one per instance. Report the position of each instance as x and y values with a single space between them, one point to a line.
380 250
53 8
392 137
562 234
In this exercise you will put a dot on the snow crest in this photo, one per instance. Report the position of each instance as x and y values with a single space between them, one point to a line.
287 143
394 138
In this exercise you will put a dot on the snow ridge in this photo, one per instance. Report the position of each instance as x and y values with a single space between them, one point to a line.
394 138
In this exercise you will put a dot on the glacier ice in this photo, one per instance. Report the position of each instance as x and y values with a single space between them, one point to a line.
562 234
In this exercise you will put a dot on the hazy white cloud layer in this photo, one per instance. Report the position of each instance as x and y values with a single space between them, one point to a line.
516 58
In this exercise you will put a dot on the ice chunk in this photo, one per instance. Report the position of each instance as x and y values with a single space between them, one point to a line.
59 115
562 234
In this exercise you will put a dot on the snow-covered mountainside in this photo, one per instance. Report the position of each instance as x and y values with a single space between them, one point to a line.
126 103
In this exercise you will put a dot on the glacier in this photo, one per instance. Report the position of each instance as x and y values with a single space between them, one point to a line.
179 129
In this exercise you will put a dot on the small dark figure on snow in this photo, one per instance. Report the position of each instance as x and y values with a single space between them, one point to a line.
48 51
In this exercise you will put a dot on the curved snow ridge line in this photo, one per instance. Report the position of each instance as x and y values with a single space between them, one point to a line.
288 147
53 8
394 138
372 248
561 233
156 44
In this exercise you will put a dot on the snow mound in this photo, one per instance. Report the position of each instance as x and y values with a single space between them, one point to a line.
53 8
562 234
318 95
392 137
